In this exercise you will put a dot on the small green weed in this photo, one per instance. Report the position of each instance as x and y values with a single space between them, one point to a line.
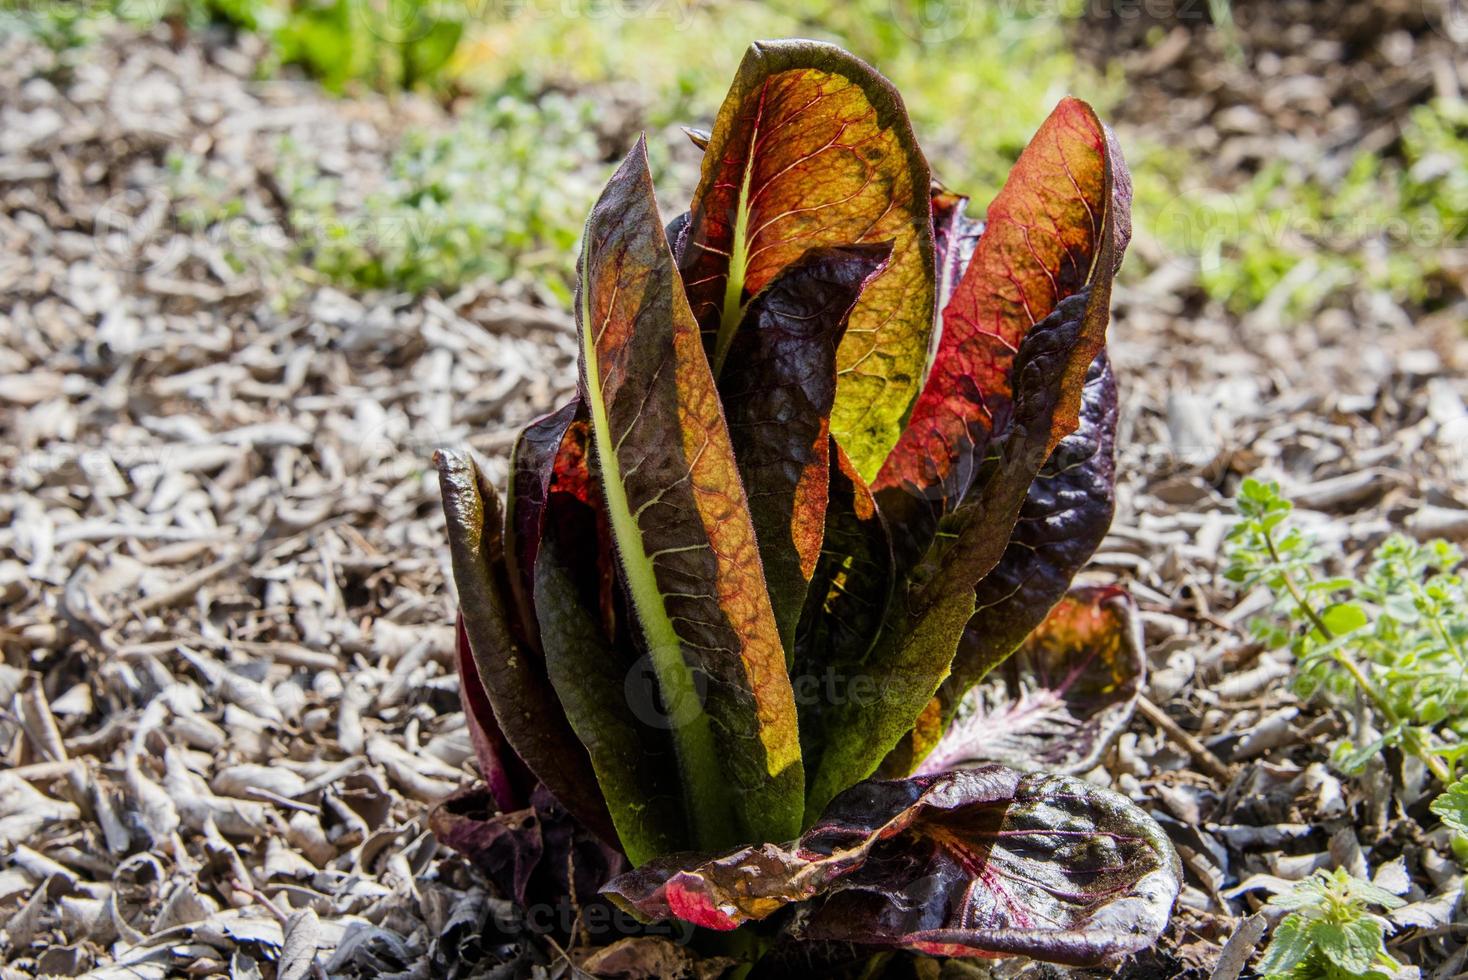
1396 636
1331 932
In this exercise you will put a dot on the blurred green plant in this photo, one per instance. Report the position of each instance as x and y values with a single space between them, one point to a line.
385 44
1391 224
1395 637
454 205
977 78
474 201
1331 932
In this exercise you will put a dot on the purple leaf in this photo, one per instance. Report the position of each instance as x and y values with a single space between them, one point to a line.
1061 698
505 773
538 854
515 683
1065 515
778 386
975 862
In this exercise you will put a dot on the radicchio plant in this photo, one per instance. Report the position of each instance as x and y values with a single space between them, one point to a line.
837 450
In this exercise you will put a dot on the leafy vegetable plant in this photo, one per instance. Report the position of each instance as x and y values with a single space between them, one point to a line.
1330 931
1397 637
837 449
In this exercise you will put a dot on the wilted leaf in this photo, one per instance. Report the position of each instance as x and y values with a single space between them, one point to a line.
1058 702
813 148
538 857
652 958
507 847
777 387
298 952
981 862
678 511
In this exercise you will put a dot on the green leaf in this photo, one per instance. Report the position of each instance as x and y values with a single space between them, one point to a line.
1452 806
515 681
813 148
1345 617
593 663
680 518
1288 947
1351 759
1352 946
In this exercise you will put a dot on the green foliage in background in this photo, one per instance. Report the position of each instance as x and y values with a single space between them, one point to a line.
1396 636
384 44
502 194
1392 223
468 202
977 77
1331 932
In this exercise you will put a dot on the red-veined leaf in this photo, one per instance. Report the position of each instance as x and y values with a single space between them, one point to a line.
1058 701
1062 206
976 862
678 512
1042 387
813 148
1066 514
